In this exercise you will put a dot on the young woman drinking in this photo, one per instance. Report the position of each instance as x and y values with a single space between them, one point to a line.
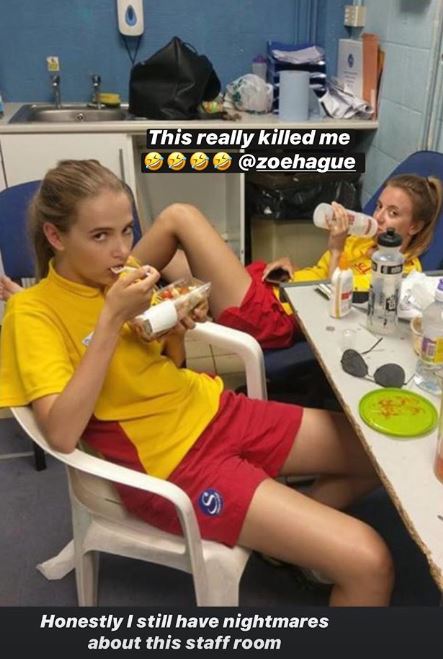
242 298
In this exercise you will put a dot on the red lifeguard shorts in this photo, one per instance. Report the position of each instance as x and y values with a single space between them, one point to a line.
246 442
260 314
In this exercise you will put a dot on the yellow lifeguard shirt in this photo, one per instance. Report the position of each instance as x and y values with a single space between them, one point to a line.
161 408
357 251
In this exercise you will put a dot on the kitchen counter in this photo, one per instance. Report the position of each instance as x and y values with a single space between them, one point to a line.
140 126
29 150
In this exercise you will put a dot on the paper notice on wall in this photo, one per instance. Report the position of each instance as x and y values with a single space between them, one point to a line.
350 65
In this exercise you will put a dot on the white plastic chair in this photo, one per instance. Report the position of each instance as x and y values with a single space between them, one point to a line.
100 522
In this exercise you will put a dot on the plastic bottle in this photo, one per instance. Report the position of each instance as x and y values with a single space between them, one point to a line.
342 284
431 353
359 223
259 66
384 291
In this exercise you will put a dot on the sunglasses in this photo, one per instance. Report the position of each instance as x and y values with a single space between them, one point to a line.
388 375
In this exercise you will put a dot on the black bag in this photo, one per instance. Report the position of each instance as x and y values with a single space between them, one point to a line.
172 83
284 196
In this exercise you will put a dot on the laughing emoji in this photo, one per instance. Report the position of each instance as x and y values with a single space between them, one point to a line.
153 161
222 161
199 161
176 161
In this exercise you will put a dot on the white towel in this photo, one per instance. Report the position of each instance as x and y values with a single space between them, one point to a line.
59 566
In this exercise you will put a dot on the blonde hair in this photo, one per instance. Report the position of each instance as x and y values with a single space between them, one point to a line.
426 195
57 199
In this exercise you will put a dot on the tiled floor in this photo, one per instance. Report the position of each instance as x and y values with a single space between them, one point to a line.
203 357
36 523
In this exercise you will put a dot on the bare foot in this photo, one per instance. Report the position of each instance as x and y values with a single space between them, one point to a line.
8 287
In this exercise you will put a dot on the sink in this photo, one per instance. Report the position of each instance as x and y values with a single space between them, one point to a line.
67 113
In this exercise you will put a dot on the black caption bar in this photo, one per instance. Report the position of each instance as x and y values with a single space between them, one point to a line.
289 630
233 162
249 138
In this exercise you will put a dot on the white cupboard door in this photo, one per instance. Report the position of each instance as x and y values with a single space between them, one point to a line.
28 157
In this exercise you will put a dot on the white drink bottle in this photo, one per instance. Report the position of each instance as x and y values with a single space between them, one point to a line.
359 223
430 364
384 292
342 282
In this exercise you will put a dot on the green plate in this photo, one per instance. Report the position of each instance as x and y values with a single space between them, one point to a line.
397 412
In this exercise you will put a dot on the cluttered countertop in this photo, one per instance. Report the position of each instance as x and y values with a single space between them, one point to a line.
140 125
287 89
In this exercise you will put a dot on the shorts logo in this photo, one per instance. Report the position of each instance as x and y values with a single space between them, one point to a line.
87 340
211 502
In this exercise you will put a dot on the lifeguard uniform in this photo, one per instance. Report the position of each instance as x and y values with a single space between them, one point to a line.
270 321
150 415
358 254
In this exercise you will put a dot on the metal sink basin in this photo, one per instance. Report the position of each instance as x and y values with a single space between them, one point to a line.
67 113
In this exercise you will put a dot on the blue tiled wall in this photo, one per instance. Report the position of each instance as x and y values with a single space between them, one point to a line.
84 35
406 29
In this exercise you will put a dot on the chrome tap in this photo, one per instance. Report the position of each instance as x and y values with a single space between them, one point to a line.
56 89
96 81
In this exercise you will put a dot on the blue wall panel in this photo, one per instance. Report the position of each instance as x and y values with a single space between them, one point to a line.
84 35
330 28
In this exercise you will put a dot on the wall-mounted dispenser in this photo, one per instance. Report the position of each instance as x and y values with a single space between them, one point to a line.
130 17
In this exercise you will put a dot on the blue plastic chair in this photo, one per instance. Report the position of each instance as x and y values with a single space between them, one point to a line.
14 247
422 163
16 252
288 364
18 261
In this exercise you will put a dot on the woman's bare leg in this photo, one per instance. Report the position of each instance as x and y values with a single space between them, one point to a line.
307 530
209 258
294 528
345 472
177 268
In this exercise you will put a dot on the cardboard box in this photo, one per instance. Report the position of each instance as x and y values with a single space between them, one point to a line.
350 64
370 68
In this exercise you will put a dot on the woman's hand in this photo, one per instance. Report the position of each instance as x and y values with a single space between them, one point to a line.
178 331
200 313
174 341
181 328
284 262
131 295
338 229
8 288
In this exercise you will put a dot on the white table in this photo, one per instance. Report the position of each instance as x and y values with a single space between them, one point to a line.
404 466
